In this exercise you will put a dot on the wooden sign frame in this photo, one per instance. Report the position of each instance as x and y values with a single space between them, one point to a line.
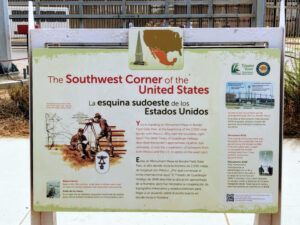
218 37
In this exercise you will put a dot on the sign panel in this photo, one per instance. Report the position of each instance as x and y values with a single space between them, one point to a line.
111 135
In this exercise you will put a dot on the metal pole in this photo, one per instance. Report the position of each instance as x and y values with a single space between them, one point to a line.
254 11
38 11
167 3
81 13
275 13
123 10
188 11
5 43
260 13
210 13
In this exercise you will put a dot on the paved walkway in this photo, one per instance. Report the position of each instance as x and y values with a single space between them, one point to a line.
291 182
15 201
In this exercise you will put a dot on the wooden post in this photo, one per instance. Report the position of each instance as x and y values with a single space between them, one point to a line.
269 219
43 218
37 218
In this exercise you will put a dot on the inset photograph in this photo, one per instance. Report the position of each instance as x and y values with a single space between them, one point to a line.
53 189
266 163
249 95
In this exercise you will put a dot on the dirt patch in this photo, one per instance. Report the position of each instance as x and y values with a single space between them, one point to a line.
15 127
4 94
12 121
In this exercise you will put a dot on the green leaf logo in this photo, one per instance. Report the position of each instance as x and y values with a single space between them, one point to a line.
235 68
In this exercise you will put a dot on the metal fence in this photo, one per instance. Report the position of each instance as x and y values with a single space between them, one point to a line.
292 22
195 13
120 13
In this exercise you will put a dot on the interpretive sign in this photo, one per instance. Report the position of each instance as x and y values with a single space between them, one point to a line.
156 127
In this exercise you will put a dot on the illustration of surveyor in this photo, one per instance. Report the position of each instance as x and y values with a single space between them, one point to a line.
80 143
105 132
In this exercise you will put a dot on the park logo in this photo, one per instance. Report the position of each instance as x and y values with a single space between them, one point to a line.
242 69
235 69
156 48
263 69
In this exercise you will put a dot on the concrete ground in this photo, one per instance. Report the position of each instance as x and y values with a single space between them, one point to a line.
15 195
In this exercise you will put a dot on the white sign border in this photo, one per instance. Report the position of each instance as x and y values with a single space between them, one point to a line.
275 38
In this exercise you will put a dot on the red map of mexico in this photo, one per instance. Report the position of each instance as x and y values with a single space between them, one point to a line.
161 42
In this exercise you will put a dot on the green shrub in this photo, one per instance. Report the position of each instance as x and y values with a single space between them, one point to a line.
292 84
292 98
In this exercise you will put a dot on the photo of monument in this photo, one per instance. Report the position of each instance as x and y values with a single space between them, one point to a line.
266 163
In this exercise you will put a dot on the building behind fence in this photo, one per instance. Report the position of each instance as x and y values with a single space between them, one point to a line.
184 13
